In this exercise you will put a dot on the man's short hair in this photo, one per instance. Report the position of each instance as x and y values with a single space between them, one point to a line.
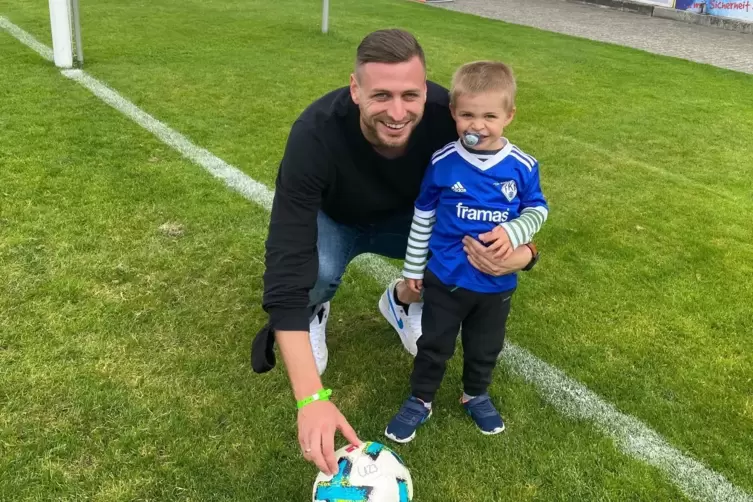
388 46
484 76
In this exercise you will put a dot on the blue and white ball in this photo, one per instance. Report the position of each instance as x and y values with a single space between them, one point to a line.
370 472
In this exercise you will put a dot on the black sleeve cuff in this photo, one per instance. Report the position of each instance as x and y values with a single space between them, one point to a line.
262 347
287 319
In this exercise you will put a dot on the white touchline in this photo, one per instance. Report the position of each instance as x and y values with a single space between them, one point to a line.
568 396
26 38
234 178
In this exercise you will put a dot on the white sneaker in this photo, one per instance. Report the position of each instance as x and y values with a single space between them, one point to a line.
318 337
407 325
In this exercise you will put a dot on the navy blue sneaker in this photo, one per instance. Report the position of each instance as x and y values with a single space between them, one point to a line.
402 427
486 416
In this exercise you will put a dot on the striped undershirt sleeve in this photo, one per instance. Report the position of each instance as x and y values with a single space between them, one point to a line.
522 229
418 244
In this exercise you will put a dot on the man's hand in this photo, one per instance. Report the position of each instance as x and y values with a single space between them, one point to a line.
483 259
500 243
317 423
415 285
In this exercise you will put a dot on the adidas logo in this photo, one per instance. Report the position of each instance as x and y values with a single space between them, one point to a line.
457 187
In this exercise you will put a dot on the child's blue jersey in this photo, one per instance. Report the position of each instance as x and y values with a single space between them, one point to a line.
470 196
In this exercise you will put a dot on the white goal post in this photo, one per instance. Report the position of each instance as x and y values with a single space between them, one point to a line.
65 25
325 16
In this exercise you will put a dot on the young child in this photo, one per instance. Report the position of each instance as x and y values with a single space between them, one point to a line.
480 184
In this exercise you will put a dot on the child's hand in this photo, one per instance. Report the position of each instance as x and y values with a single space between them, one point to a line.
500 243
415 285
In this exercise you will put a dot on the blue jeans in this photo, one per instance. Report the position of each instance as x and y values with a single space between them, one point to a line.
338 244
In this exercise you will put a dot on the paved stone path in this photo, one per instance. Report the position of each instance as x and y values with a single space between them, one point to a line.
703 44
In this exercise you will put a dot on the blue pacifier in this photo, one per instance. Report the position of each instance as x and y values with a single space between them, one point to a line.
471 138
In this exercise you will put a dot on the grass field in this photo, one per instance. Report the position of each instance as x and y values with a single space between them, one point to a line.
130 280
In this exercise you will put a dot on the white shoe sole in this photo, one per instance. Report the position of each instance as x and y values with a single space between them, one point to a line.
402 441
495 431
384 308
409 438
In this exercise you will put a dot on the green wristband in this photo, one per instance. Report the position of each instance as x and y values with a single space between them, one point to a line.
321 395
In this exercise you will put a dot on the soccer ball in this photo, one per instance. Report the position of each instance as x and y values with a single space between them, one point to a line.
370 472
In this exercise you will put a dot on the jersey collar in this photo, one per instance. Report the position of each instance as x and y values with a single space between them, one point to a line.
487 164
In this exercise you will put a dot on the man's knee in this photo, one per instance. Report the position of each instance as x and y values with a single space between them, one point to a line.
330 272
328 280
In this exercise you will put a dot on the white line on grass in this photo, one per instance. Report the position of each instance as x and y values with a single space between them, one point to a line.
567 395
232 177
26 38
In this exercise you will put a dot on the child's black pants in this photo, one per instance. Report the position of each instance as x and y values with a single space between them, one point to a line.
482 316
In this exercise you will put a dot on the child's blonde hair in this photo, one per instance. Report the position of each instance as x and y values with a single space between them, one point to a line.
484 76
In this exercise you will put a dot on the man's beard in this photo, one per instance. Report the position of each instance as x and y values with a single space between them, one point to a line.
381 140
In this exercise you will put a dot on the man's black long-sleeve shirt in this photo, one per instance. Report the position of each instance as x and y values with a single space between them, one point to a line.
329 165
